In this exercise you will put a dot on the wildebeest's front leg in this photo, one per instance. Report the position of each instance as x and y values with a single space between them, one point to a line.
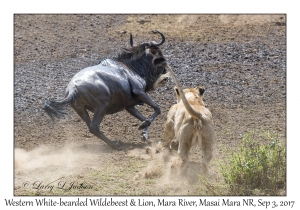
134 112
145 98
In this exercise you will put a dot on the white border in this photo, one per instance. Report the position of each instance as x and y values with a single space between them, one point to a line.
187 6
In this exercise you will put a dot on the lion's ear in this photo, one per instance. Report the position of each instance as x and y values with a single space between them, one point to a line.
201 90
176 91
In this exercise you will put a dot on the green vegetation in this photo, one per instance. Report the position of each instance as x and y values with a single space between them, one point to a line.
258 168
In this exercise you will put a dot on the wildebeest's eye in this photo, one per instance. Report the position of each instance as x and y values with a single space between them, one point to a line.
153 51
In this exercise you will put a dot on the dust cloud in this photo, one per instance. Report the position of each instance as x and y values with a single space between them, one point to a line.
48 164
167 168
71 162
43 157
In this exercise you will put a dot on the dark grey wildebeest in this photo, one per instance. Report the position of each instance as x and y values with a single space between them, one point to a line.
114 85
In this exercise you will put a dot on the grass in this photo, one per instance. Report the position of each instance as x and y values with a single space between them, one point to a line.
257 168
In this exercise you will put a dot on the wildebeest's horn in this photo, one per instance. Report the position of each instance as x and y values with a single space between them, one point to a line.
154 44
131 40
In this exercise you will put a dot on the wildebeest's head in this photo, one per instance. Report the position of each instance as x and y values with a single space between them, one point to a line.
140 59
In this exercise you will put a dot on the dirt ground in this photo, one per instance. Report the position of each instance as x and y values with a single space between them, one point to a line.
240 59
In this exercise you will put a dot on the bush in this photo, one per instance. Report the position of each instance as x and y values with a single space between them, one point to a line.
259 168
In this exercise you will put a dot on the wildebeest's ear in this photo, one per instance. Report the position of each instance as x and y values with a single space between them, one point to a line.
201 90
176 91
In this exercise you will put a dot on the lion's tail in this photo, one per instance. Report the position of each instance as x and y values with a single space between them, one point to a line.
191 111
188 107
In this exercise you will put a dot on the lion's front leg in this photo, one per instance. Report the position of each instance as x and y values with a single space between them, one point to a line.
169 133
167 137
164 145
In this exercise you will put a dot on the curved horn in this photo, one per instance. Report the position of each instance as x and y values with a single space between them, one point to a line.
154 44
131 40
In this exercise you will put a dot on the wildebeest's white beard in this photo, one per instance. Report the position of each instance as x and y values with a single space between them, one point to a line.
162 80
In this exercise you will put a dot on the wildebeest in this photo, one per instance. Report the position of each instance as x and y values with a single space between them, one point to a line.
114 85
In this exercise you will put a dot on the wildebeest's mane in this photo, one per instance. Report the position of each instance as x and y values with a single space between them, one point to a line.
128 53
141 63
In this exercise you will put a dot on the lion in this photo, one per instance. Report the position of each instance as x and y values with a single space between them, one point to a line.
189 122
184 128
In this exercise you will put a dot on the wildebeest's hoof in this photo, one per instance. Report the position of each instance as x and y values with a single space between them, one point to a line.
144 136
145 124
116 146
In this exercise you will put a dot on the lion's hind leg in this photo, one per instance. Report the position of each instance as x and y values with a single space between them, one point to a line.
185 144
207 148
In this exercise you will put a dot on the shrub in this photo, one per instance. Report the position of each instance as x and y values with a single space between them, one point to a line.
259 168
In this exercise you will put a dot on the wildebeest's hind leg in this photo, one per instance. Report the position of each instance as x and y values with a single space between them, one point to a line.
83 114
95 124
95 128
134 112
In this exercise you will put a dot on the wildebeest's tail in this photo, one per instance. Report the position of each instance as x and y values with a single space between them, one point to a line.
59 108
